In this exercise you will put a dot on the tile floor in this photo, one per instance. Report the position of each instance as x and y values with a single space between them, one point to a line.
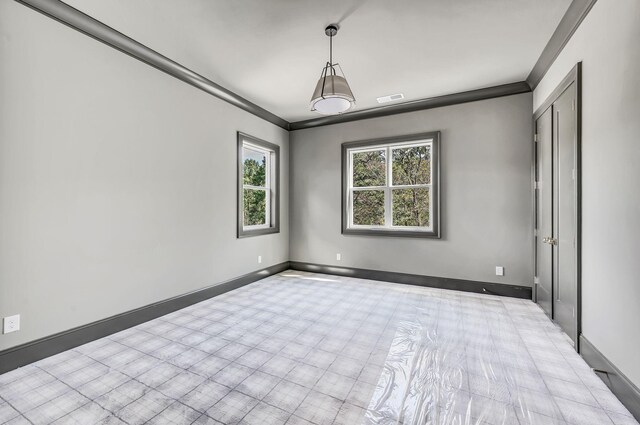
301 348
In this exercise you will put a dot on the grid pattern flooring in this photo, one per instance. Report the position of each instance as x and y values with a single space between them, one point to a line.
309 349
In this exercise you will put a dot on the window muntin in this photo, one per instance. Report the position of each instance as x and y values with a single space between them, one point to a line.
257 186
391 188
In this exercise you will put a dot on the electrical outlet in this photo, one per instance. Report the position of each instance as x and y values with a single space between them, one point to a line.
259 259
339 257
499 271
11 324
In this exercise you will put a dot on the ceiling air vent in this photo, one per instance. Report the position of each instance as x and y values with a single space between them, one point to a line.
390 98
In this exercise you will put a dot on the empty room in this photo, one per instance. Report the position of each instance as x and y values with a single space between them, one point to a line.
354 212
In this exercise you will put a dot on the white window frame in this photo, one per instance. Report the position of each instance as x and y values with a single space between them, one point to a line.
268 154
271 188
388 145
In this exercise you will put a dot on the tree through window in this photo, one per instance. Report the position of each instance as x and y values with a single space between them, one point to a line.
257 186
391 188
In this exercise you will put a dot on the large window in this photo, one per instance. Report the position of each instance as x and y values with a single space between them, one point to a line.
391 186
258 165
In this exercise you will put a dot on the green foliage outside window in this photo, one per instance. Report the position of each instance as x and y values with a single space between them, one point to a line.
411 207
255 172
368 207
255 207
369 169
255 200
411 166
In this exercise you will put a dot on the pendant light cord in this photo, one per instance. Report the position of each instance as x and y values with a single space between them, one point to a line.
331 53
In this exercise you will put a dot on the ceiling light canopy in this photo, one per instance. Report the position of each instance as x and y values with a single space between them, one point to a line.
332 94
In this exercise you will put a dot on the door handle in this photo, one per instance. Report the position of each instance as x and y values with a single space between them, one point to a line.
550 241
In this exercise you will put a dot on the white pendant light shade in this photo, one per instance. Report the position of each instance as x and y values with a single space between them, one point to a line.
332 96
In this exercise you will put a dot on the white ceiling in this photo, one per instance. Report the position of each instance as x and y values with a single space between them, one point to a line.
272 51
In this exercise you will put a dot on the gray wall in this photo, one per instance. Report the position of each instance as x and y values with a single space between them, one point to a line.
117 182
486 194
607 43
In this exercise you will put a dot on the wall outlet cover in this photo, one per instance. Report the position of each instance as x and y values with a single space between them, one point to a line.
11 324
338 257
499 271
259 259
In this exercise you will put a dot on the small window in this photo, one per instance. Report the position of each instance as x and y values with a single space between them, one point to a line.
258 197
391 186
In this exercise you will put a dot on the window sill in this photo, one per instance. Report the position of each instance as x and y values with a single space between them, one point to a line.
433 234
257 232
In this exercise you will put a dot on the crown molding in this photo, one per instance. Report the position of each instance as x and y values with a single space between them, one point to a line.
575 14
417 105
87 25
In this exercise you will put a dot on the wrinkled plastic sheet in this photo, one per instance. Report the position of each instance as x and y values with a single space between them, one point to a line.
448 366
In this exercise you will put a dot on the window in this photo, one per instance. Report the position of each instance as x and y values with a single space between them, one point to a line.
258 189
391 186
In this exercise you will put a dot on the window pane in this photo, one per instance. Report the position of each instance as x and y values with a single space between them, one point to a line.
369 169
255 167
255 207
412 165
368 207
411 207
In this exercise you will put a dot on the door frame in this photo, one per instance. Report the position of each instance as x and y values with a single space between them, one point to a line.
574 76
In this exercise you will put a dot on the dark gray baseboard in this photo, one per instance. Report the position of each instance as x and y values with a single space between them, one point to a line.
515 291
619 384
39 349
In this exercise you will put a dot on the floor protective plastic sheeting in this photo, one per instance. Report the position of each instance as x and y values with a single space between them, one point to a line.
302 348
453 364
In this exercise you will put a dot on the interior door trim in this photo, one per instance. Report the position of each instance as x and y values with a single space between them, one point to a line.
574 76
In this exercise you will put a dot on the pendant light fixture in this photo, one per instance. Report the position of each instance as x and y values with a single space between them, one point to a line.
332 94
